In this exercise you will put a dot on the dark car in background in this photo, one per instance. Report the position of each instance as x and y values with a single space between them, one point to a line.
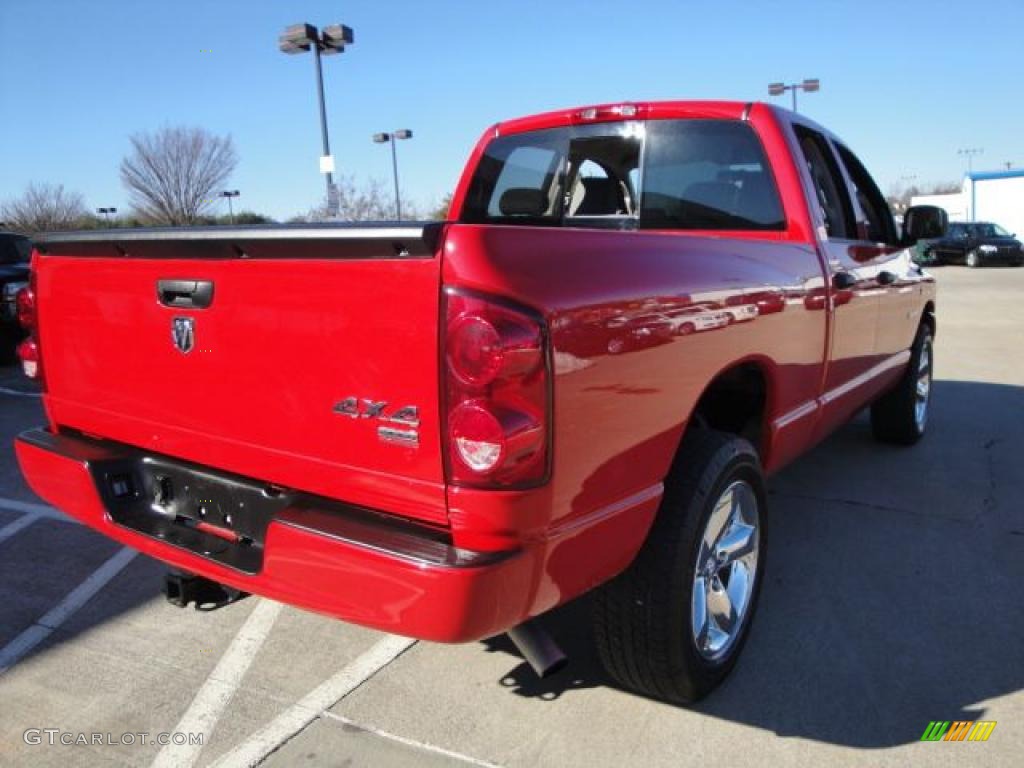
14 257
975 244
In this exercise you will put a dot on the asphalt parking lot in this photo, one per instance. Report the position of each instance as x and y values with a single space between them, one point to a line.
891 600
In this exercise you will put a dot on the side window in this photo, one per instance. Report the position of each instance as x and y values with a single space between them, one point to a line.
880 227
829 185
707 174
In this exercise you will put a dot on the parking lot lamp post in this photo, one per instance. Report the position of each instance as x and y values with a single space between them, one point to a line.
230 193
808 86
299 38
969 153
393 138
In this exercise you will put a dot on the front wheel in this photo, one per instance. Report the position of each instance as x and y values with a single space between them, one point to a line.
973 260
901 415
673 624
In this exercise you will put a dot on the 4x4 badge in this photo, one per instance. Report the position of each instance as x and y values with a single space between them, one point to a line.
401 425
183 334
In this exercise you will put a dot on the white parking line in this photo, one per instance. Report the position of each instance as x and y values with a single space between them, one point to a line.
30 513
18 393
294 719
412 742
15 650
20 524
44 510
212 699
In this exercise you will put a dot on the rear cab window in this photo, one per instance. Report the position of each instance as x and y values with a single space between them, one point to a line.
708 174
692 174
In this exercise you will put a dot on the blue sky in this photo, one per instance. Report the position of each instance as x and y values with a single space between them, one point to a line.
904 83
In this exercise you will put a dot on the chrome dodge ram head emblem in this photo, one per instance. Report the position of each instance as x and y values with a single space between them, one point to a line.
183 334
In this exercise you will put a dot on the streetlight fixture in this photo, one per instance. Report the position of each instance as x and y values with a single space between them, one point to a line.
970 153
808 86
105 213
230 193
300 38
393 138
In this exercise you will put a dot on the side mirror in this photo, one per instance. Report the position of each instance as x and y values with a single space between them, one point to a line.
922 222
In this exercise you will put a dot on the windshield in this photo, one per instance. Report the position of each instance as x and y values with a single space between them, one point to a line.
695 175
14 249
989 230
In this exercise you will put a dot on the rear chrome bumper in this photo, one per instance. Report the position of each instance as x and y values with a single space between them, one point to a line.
353 564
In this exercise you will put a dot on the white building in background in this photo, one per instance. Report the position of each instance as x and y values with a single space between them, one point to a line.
986 196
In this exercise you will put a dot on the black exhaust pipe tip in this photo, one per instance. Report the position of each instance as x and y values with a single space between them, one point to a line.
538 648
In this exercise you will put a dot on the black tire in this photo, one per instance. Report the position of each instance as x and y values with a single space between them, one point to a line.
642 618
894 417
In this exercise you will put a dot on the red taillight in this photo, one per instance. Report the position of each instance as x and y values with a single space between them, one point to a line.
25 302
475 351
28 351
477 437
497 390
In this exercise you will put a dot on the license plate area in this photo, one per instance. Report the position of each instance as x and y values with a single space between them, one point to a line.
218 516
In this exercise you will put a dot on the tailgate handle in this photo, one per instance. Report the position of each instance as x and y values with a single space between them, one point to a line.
194 294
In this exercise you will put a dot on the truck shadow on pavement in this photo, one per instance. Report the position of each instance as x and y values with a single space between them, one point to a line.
893 586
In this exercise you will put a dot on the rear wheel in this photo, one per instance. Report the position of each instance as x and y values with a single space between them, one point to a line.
673 624
901 415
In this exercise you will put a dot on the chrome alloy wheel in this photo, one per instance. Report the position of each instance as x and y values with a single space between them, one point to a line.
723 582
923 386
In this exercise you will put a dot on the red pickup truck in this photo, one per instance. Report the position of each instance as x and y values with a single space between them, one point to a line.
444 430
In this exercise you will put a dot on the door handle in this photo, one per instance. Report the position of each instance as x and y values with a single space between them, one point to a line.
188 294
886 278
843 280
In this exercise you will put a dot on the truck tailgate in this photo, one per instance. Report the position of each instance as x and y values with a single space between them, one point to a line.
306 334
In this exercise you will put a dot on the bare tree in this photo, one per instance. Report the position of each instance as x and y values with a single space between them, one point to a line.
44 207
174 175
367 202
